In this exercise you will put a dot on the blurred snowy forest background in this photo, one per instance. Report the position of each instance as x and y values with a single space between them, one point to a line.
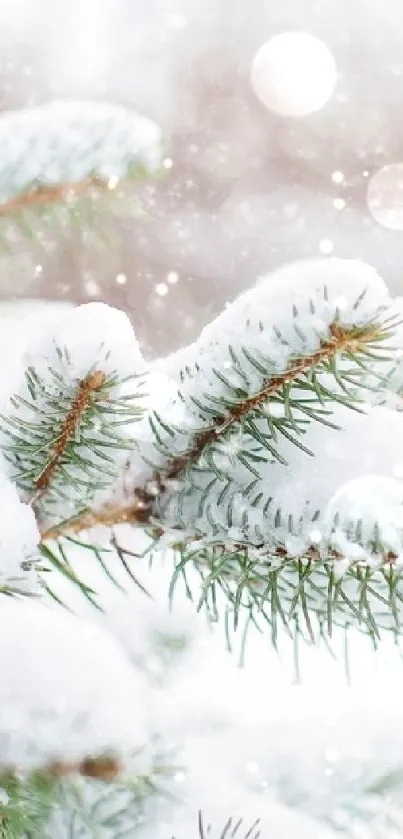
245 190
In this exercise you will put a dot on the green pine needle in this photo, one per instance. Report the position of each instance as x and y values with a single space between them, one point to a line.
301 592
25 805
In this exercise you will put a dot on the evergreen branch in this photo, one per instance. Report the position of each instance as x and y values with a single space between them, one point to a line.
66 436
66 142
41 195
92 794
138 512
294 591
66 151
91 807
342 341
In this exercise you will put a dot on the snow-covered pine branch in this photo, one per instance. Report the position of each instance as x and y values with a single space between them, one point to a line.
260 436
60 144
69 425
242 465
59 159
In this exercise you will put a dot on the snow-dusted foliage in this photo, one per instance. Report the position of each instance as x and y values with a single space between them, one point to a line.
64 142
69 425
364 519
265 383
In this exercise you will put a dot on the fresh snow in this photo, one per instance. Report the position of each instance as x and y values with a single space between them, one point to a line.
93 335
67 691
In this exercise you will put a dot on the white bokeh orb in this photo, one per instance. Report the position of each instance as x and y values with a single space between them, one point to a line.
385 196
294 74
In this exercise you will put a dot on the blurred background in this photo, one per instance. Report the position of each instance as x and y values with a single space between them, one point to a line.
245 188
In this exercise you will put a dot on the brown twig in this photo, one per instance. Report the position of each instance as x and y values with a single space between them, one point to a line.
136 513
139 511
90 385
102 768
52 194
105 768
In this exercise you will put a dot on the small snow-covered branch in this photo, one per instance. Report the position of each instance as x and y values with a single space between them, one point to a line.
49 149
69 427
272 367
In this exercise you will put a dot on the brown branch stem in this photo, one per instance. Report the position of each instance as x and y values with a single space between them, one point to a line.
87 386
102 768
138 512
41 195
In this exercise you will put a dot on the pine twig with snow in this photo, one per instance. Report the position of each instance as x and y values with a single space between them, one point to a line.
272 392
65 162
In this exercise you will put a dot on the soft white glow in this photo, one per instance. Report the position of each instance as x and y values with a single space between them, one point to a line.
252 767
339 203
326 246
92 287
294 74
83 54
173 277
177 21
385 196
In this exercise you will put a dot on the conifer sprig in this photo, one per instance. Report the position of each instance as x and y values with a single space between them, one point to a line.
353 343
62 434
89 797
60 157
